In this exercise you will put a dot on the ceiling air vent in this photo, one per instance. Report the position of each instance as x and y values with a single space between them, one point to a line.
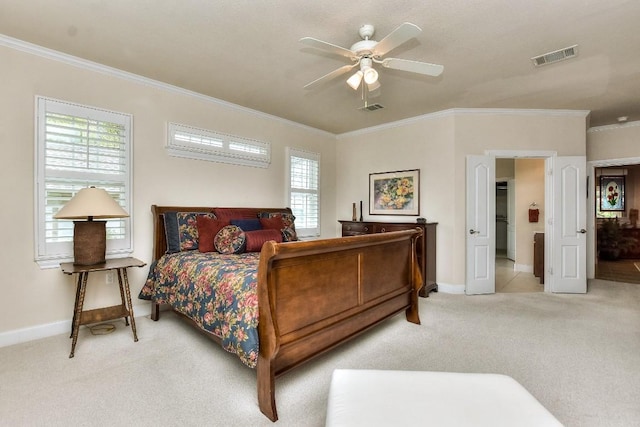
371 107
555 56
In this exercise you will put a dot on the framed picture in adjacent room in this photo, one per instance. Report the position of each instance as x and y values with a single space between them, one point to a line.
611 193
394 193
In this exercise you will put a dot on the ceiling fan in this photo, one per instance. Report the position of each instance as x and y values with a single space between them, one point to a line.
368 52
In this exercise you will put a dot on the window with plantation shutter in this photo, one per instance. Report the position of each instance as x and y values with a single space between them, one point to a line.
202 144
77 147
304 190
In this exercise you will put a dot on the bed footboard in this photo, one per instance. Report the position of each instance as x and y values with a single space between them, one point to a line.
315 295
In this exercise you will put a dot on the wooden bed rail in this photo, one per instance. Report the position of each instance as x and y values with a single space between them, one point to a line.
313 296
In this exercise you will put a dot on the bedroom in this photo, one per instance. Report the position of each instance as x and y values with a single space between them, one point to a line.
43 298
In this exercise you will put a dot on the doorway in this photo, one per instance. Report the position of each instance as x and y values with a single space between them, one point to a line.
520 186
565 197
616 222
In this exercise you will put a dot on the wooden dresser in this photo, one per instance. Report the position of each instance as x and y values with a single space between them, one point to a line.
426 250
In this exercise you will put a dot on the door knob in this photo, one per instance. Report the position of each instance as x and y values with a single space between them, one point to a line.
472 231
582 231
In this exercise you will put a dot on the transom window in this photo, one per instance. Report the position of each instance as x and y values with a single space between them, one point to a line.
202 144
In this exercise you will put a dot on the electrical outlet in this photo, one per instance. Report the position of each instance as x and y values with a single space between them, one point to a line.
111 277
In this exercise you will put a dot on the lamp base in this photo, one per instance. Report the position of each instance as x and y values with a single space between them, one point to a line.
89 242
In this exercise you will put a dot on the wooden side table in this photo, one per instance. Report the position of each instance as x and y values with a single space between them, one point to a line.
81 317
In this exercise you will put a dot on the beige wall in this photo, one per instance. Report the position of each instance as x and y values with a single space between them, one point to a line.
613 142
438 145
427 145
504 169
529 188
34 297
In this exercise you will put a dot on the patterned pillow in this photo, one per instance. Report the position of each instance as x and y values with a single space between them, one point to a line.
247 224
181 230
207 230
289 230
257 238
230 240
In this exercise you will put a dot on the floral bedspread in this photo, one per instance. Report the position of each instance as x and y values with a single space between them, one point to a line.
219 292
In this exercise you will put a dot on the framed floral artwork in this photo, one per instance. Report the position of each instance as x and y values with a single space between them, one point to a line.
612 193
394 193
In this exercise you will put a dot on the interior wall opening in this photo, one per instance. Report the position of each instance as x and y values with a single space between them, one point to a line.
520 200
617 201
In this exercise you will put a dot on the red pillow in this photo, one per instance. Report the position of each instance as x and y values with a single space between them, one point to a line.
257 238
207 230
235 213
273 223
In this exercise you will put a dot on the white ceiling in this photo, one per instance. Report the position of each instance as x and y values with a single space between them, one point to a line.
247 52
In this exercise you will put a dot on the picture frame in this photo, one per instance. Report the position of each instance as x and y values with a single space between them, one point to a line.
394 193
611 193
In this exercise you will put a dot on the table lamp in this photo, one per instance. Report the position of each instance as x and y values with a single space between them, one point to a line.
89 236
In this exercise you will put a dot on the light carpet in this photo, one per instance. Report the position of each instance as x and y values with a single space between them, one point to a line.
579 355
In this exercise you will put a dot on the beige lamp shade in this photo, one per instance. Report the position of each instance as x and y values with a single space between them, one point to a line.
90 237
91 203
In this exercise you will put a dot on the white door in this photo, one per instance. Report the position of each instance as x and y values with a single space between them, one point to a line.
481 225
569 222
511 219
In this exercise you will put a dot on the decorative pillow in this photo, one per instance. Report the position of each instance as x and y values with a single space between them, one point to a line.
181 230
230 240
274 223
257 238
289 230
247 224
235 213
207 230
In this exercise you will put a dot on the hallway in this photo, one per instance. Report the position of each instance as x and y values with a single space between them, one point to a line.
508 280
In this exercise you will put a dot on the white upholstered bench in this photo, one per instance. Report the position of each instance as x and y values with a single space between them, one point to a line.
418 398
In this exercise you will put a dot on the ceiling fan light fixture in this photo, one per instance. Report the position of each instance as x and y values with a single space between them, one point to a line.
370 76
355 79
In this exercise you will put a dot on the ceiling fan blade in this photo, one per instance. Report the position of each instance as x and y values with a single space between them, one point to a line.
403 33
327 47
329 76
413 66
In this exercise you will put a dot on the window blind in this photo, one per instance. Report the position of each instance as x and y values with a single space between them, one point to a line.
304 194
202 144
78 147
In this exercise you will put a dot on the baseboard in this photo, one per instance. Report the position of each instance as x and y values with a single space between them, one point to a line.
525 268
447 288
50 329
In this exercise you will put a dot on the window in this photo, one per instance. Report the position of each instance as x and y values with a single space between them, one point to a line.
76 147
194 143
304 191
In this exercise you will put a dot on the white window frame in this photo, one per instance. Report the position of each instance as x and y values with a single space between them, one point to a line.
202 144
301 229
50 254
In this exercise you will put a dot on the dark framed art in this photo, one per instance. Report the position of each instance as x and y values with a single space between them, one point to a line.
394 193
612 193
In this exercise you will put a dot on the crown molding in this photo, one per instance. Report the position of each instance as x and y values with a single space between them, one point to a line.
468 111
54 55
614 127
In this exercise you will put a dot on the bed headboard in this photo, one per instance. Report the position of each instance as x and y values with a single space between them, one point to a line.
159 236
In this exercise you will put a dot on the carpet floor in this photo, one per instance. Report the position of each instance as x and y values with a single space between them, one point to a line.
579 355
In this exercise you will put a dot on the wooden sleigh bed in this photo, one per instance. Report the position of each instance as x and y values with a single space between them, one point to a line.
314 295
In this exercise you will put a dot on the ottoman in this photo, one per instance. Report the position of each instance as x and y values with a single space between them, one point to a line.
419 398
